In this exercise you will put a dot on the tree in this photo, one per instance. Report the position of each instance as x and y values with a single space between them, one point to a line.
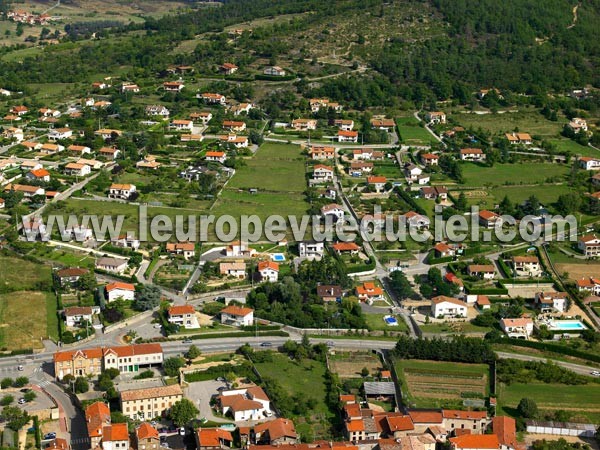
527 408
118 417
7 400
183 411
148 297
6 383
172 365
30 396
193 352
87 281
16 417
81 385
364 372
20 382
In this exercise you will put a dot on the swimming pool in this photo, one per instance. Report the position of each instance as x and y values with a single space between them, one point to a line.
279 257
566 325
391 321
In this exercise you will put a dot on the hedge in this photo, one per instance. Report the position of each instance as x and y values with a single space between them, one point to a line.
431 260
549 347
487 291
260 328
527 281
411 201
362 267
25 351
243 370
507 272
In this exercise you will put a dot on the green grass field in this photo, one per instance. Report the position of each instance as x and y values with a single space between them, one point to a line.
521 173
435 384
305 378
565 144
376 322
581 400
26 317
18 274
411 133
527 121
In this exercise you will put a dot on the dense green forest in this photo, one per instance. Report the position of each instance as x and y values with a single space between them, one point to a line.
524 46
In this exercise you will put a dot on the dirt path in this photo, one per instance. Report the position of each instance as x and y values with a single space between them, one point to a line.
574 22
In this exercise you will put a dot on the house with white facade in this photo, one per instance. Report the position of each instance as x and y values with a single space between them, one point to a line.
183 315
237 316
119 290
443 306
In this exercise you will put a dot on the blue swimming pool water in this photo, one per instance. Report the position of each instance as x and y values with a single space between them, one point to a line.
390 320
567 325
278 257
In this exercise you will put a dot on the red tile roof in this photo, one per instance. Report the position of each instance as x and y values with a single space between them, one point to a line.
116 432
119 285
476 441
236 310
180 310
212 437
146 431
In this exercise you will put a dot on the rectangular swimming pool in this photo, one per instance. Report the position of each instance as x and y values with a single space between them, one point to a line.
566 325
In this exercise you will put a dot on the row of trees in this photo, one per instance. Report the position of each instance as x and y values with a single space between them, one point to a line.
458 349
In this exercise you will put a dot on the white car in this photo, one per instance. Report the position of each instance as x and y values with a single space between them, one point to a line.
595 373
157 325
182 431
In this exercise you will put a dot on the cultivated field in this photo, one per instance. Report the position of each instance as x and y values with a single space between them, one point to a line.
531 122
434 384
25 318
411 133
583 401
578 271
512 174
350 364
19 275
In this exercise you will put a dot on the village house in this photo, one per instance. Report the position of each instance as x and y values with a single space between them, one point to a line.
148 162
329 293
79 150
321 152
369 292
202 117
334 210
51 149
116 437
429 159
38 175
121 191
233 269
14 134
311 249
434 192
275 432
129 87
47 112
187 249
228 68
242 108
140 404
489 219
239 249
212 98
349 248
102 104
244 404
97 418
213 439
366 154
237 315
233 140
94 165
377 182
77 315
19 110
549 302
322 173
126 241
114 265
344 124
70 276
191 138
100 85
359 168
183 316
435 117
443 306
119 290
234 125
485 271
590 284
475 442
416 220
274 71
157 110
383 124
60 133
483 302
107 133
577 124
31 146
216 156
472 154
443 250
588 163
27 191
268 270
173 86
526 266
589 245
347 136
5 92
519 138
147 437
304 124
475 421
520 328
181 125
412 172
78 170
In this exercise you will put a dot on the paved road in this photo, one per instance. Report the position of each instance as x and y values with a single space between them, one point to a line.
577 368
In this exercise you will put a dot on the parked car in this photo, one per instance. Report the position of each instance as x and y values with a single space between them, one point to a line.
20 368
330 344
187 341
157 325
221 379
182 431
595 373
266 344
50 435
22 401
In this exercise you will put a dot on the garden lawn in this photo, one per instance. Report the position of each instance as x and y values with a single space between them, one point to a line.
565 144
304 378
18 274
531 122
580 400
519 173
25 318
411 133
376 322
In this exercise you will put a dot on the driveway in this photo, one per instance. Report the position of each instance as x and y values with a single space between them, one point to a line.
200 393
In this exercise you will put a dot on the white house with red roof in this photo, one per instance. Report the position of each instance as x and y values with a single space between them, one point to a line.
591 284
472 154
589 163
237 316
347 136
119 290
183 315
443 306
520 327
250 403
369 292
322 173
589 245
269 271
489 219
